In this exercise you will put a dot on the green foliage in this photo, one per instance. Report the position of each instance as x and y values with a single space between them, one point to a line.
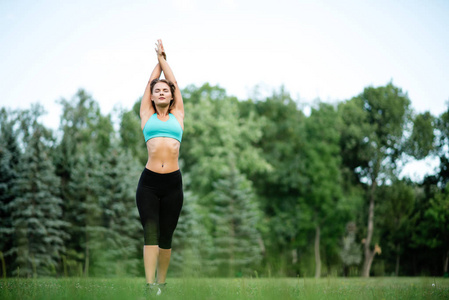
422 138
442 146
119 216
213 132
279 187
437 220
235 219
259 177
131 138
9 161
382 115
36 209
192 242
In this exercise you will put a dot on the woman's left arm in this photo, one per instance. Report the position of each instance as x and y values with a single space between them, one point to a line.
168 74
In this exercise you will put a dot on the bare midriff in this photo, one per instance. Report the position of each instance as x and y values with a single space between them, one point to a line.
163 155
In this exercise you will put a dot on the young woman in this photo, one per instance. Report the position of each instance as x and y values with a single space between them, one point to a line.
159 195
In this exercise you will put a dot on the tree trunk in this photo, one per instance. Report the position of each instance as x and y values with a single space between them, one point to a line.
398 257
369 254
317 253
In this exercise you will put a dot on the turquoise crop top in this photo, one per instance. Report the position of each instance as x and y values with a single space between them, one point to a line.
157 128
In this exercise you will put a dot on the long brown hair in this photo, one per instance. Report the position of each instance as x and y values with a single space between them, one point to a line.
172 90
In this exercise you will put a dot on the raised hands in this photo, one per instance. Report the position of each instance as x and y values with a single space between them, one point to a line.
160 49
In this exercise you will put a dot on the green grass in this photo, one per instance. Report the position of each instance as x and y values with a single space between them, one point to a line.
224 288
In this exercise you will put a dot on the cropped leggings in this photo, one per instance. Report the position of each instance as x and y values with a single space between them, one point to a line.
159 199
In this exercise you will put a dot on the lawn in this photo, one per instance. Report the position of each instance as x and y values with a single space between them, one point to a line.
224 288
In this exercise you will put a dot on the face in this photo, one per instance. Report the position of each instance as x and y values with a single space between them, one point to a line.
161 94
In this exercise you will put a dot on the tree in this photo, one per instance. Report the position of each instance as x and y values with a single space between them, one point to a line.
422 137
85 139
81 126
10 155
372 142
438 217
119 216
236 218
322 191
442 145
396 211
36 212
84 213
214 135
213 131
131 137
278 188
192 242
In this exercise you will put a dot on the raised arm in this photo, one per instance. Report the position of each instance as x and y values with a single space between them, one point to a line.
146 108
168 74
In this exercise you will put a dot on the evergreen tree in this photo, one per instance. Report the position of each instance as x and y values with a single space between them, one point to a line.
9 160
85 213
236 218
192 244
36 212
122 236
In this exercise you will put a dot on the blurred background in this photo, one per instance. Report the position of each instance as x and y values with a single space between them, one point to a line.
316 136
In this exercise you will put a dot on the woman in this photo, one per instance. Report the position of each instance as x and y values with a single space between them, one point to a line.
159 195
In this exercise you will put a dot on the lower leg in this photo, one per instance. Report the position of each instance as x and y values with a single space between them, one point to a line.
163 262
150 258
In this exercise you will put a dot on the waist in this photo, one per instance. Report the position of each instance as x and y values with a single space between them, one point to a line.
162 167
152 179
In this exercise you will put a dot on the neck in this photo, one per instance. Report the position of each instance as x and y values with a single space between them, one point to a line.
162 111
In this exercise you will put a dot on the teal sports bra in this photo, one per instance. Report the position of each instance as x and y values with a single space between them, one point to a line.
157 128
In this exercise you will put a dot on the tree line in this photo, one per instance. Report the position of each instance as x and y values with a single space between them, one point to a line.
269 189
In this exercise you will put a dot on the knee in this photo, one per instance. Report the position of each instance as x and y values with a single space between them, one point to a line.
150 234
165 242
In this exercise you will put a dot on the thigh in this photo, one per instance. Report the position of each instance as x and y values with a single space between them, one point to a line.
148 205
170 209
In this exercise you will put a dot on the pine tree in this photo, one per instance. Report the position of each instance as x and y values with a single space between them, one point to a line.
122 235
9 160
192 244
36 210
235 216
84 213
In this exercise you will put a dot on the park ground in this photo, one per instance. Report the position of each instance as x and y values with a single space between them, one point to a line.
226 288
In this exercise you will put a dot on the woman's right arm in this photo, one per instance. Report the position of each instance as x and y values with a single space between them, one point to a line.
146 108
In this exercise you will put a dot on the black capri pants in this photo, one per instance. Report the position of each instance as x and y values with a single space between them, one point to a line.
159 199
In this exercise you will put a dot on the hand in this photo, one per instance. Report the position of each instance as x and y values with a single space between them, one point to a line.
160 49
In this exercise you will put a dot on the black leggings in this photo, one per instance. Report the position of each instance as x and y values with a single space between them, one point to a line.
159 200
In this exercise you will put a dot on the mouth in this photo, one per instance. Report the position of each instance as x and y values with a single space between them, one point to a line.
161 98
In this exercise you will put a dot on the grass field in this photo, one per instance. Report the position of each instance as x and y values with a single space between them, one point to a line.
224 288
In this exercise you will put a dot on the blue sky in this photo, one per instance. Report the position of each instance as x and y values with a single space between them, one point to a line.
329 50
